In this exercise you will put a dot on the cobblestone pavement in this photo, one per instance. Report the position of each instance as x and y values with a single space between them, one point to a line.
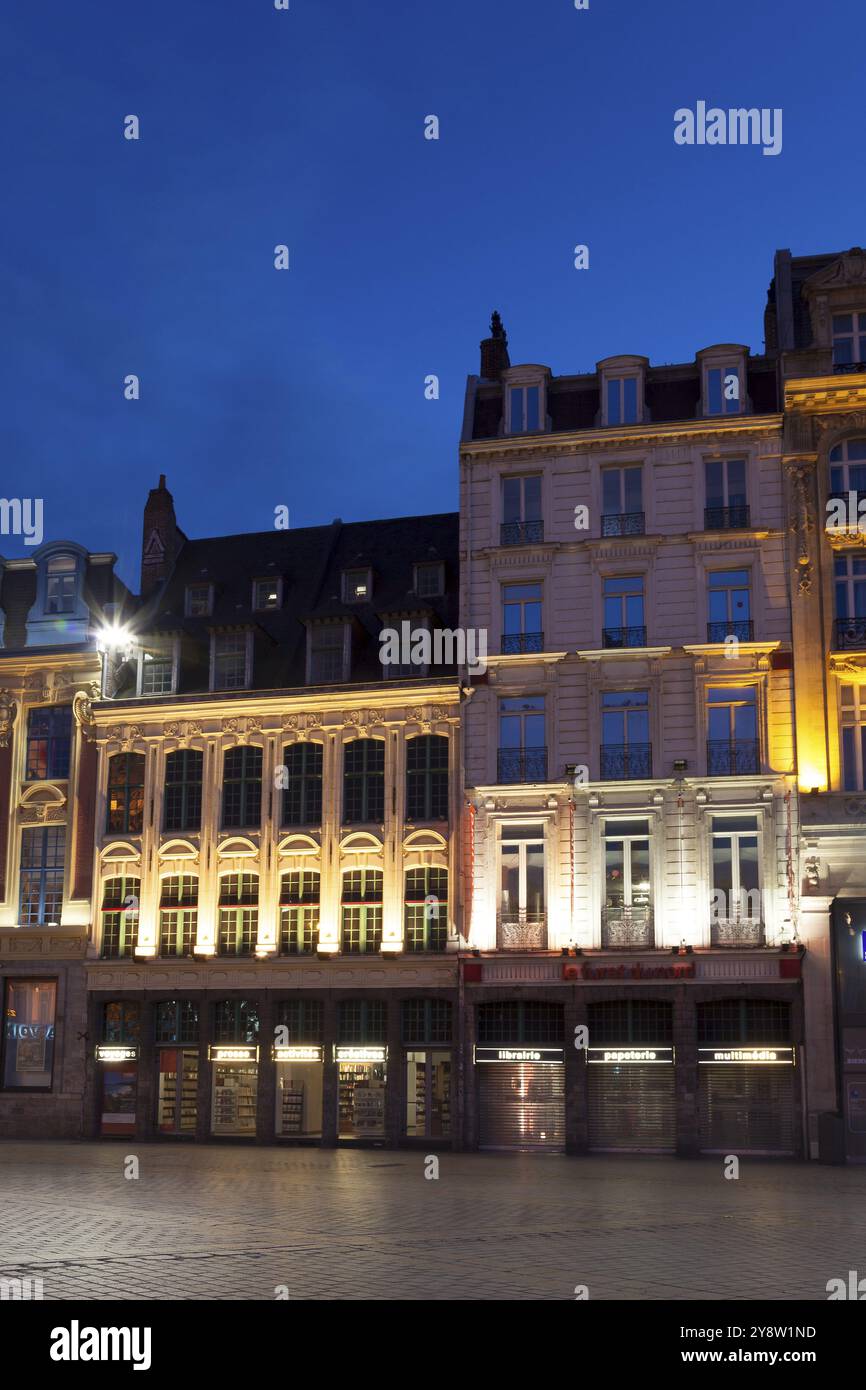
220 1222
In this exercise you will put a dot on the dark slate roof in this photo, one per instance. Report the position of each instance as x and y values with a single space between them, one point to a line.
18 594
310 561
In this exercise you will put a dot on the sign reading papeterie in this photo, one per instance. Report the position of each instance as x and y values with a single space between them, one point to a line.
620 1056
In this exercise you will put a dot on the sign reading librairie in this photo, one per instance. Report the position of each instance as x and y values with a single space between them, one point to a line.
554 1056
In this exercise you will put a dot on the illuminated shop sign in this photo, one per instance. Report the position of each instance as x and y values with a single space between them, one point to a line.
360 1054
615 1056
113 1052
32 1031
554 1056
233 1052
297 1054
766 1056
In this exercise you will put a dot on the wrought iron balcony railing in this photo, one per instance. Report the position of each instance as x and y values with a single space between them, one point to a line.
625 761
736 931
518 642
848 368
742 628
624 637
726 518
732 757
623 524
850 633
525 931
522 765
625 927
521 532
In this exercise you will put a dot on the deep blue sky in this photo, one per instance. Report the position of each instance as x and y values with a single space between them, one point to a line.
306 127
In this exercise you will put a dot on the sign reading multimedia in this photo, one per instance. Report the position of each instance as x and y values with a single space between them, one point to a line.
553 1056
616 1056
233 1052
738 1056
114 1052
297 1053
360 1054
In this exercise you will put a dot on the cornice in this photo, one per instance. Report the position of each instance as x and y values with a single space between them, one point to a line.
718 648
526 658
281 711
717 430
623 653
825 394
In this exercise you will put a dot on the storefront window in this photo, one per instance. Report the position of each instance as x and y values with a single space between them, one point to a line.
121 1022
234 1054
177 1021
28 1034
362 1060
428 1072
299 1055
236 1020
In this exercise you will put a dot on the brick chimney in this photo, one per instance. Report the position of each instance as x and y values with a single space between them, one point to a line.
160 539
494 350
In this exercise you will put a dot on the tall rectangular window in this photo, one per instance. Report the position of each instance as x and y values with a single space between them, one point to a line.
522 897
729 605
849 339
626 751
726 506
732 731
627 911
43 853
735 908
183 783
723 391
852 702
524 409
125 794
364 780
426 909
522 741
156 668
521 618
28 1034
61 585
238 914
521 510
622 511
302 794
362 911
622 400
120 908
427 777
178 915
230 661
242 788
49 741
299 912
327 664
624 624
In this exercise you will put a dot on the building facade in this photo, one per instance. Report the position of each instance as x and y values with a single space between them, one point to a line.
51 606
632 837
275 943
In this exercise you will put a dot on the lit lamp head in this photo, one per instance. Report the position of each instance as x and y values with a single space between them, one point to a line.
114 638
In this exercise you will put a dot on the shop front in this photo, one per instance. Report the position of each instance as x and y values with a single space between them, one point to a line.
521 1097
177 1067
118 1088
299 1090
427 1031
631 1098
362 1076
746 1099
234 1089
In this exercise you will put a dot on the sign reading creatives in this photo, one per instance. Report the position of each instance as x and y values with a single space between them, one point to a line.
552 1055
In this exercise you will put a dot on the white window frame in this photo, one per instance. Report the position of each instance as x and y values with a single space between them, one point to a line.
522 912
71 568
267 607
718 827
173 645
627 885
858 332
852 716
187 602
248 660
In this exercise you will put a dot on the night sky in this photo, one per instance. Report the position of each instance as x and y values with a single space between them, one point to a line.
259 127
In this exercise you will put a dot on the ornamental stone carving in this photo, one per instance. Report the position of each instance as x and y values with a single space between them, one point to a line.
82 713
802 478
8 711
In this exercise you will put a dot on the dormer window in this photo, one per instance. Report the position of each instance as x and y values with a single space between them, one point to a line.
327 653
429 580
157 670
231 660
357 586
622 390
722 391
61 585
849 340
199 600
267 594
523 409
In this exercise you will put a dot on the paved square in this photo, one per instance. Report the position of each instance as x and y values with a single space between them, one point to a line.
220 1222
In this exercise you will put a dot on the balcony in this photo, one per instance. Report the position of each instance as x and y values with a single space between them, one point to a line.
617 637
522 931
736 931
743 629
623 524
518 643
732 758
622 762
726 518
849 634
625 927
521 532
521 765
848 368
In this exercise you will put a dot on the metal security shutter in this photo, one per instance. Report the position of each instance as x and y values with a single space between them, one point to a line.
746 1109
522 1106
632 1107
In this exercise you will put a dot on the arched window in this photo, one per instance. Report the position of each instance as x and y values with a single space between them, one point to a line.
425 918
299 912
362 911
238 914
364 781
183 779
120 904
125 794
848 467
427 778
178 915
